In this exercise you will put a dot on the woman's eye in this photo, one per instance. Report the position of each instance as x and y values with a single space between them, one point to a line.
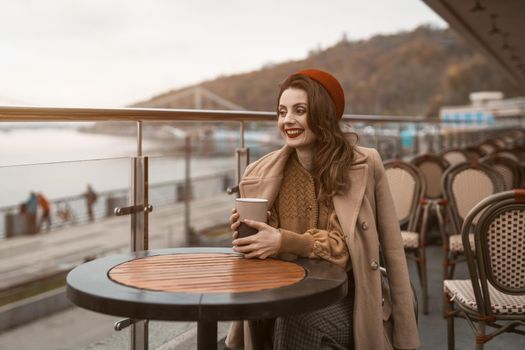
300 111
282 113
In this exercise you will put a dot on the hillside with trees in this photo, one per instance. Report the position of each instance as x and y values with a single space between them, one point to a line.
408 73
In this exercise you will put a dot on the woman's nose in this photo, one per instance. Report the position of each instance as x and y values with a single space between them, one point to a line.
289 118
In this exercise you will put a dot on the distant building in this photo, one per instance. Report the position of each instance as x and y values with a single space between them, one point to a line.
486 109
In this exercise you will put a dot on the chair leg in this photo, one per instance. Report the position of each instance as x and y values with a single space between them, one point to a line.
444 238
452 263
480 341
423 279
417 254
422 261
449 314
445 276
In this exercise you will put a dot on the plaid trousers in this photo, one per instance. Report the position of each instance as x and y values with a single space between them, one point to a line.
328 328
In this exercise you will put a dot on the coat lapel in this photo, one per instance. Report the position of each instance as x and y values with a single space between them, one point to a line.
265 180
347 206
267 188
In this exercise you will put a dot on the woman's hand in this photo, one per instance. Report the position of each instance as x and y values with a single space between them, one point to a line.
235 223
263 244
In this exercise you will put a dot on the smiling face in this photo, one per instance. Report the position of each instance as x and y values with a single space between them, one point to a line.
292 122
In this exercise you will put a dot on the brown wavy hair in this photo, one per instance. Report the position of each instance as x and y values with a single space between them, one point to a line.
333 151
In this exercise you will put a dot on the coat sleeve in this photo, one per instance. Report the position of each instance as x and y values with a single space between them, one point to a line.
405 334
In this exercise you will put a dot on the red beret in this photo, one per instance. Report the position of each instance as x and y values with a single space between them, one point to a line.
331 84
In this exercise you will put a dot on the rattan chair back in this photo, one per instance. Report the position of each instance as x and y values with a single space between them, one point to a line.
455 156
465 185
432 168
508 154
488 148
475 152
407 186
500 249
509 169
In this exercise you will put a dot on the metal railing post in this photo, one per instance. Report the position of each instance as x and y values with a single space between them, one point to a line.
399 145
139 229
417 146
242 157
187 187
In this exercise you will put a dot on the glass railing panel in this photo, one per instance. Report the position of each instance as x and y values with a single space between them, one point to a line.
38 246
382 136
31 143
211 167
191 206
65 185
262 138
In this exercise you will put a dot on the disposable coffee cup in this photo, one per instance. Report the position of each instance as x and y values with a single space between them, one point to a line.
251 209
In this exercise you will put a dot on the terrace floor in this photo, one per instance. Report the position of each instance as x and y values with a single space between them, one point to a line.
75 328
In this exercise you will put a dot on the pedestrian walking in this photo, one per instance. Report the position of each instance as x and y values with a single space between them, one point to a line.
91 198
31 209
44 204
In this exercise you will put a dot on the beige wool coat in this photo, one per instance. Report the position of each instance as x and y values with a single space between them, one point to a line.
369 222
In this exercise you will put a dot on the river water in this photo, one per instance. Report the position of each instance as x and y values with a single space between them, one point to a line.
61 162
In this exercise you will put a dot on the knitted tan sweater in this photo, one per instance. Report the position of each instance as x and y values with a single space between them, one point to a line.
309 227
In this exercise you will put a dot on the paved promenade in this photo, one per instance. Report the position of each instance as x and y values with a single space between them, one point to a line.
26 258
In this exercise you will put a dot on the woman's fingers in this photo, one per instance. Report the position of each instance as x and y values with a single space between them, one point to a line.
246 249
234 217
254 254
251 251
255 224
234 222
245 241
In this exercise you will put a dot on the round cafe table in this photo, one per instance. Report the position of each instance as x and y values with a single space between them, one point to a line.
204 285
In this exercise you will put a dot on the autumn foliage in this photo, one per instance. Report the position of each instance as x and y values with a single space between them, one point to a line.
408 73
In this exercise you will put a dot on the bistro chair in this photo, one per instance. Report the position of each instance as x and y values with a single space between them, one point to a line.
432 168
508 154
520 153
455 156
487 148
500 143
509 141
476 152
407 186
509 169
464 186
494 295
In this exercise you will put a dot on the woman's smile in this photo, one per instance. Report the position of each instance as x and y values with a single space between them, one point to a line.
293 132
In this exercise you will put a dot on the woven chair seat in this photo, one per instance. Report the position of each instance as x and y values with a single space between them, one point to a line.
456 244
501 304
410 239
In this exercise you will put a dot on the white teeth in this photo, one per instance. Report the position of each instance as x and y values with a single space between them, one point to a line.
293 132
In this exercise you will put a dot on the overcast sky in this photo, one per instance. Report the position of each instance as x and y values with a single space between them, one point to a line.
111 53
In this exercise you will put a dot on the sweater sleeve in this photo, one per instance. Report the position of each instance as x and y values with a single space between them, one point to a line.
327 244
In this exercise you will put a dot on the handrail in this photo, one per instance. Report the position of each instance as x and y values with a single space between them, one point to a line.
53 114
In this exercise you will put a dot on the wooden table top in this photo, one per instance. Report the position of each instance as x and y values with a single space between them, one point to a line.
206 273
196 284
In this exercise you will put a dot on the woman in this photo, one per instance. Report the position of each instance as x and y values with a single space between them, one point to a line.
329 200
